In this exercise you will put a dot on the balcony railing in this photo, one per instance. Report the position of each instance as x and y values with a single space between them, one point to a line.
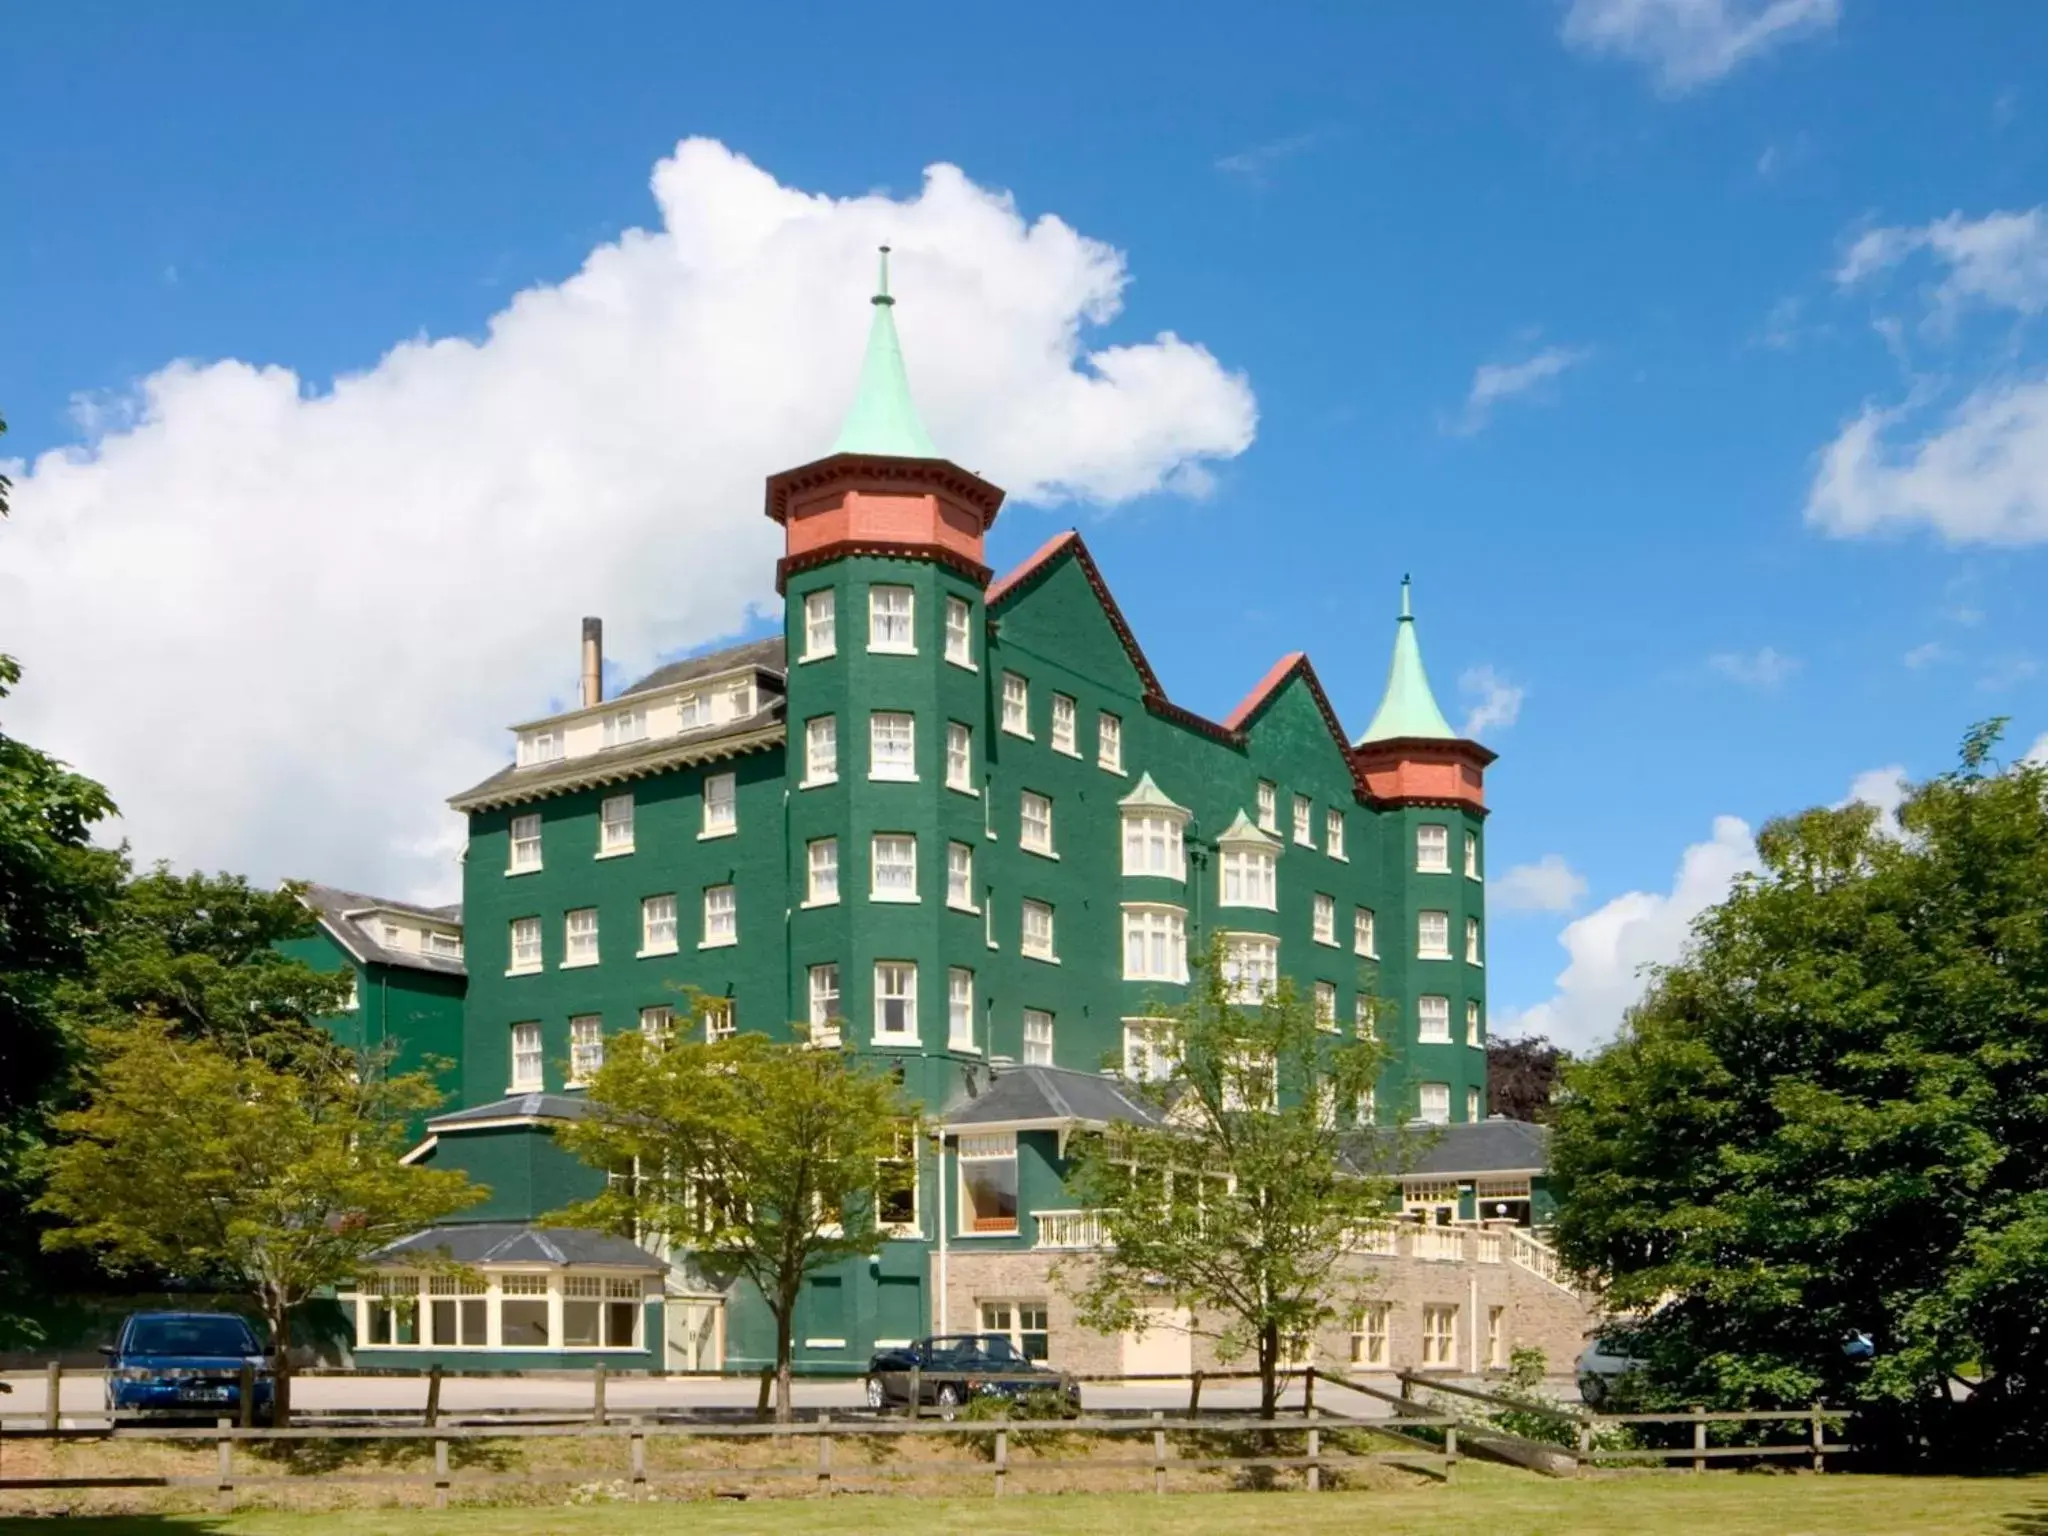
1490 1247
1070 1229
1444 1245
1382 1237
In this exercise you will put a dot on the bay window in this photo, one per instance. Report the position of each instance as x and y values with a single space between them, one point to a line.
1155 943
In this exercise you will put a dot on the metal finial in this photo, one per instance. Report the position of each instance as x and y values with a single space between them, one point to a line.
882 282
1405 612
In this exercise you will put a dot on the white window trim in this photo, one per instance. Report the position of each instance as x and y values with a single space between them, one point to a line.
1335 818
704 917
1432 869
914 1035
1132 909
569 963
1073 749
674 945
1003 708
519 1084
811 903
946 610
808 781
878 649
1432 954
968 905
708 832
1371 948
810 655
1101 762
512 966
897 899
892 778
1315 902
1052 955
1050 850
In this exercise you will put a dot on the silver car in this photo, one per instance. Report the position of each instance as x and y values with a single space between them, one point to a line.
1604 1361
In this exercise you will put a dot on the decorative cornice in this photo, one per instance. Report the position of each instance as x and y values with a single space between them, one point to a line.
892 549
592 772
880 472
1428 747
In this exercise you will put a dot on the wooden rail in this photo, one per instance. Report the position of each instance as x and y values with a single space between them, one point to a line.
820 1466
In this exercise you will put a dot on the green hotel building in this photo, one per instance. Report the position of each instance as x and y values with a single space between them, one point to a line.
952 820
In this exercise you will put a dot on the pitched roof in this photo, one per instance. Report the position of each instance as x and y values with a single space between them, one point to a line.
1243 829
771 655
1042 563
519 1106
1034 1095
636 759
1496 1145
1146 795
1408 709
512 1242
339 911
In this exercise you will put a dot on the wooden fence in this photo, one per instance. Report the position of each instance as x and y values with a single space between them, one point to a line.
812 1439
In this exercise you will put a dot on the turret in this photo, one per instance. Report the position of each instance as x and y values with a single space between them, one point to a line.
884 489
1409 755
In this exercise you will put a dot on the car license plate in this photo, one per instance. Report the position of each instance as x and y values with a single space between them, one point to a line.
205 1394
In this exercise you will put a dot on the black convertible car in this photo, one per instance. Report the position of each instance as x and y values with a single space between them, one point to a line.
955 1367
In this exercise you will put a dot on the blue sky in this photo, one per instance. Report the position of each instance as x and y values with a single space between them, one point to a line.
1686 351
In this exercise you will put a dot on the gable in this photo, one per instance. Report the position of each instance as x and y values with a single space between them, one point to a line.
1057 605
1288 719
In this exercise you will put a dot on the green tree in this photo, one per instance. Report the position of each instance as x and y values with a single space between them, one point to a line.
764 1161
1522 1076
1830 1118
187 1158
197 951
55 890
1241 1203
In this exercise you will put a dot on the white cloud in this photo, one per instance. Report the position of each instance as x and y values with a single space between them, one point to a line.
1999 261
1548 885
1611 946
1755 669
1493 383
283 622
1689 43
2038 752
1981 477
1885 788
1925 655
1497 702
1252 165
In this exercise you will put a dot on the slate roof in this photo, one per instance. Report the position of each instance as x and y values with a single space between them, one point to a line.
773 654
333 906
513 782
1480 1146
520 1106
1031 1095
512 1242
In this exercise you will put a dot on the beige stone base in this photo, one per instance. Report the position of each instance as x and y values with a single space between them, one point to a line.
1530 1312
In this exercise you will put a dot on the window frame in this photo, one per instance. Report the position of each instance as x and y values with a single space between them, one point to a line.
649 921
1333 833
897 842
812 609
570 959
882 647
1027 907
821 751
731 913
1045 1022
1424 949
1027 801
1020 685
960 876
586 1048
1267 804
513 967
1424 1019
721 790
827 1022
1423 861
963 654
1155 925
1303 814
904 995
885 722
1068 741
961 736
1424 1092
959 979
1158 829
1109 741
521 1082
1323 918
518 838
608 821
1365 938
819 852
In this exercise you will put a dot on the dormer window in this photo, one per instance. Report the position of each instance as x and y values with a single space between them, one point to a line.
1250 866
540 747
692 711
1153 833
624 727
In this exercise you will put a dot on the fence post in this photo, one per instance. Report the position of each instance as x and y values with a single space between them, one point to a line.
1002 1459
1158 1453
1699 1437
1195 1395
1450 1451
224 1491
637 1460
597 1394
825 1451
916 1389
432 1415
1820 1462
245 1395
1315 1454
440 1474
53 1394
1308 1390
1585 1443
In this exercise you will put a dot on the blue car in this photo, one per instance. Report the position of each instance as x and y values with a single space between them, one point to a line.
186 1364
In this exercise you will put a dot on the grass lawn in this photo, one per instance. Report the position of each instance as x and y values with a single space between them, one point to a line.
1486 1500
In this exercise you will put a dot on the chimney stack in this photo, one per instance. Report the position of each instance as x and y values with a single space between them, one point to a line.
593 662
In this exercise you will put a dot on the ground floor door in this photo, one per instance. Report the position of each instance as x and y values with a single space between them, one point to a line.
695 1333
1165 1347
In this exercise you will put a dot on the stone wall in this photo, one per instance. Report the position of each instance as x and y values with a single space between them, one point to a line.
1533 1312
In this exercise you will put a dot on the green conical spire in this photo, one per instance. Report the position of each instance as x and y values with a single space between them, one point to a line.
884 418
1409 708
